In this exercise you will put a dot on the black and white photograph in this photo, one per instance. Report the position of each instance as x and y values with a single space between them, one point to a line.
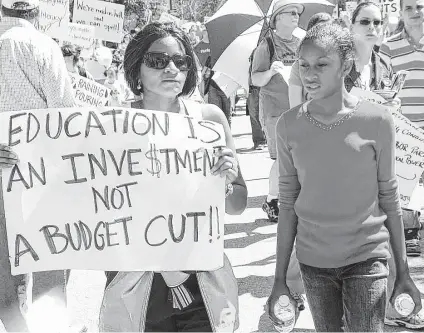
279 186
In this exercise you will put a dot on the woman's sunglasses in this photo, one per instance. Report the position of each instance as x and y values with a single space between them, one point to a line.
292 13
367 22
159 60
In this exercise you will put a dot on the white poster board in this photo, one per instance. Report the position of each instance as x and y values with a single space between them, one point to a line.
112 189
80 34
390 7
106 17
89 92
409 150
54 18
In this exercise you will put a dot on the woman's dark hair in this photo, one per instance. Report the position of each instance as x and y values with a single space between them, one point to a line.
400 26
140 44
361 6
71 51
318 18
26 14
332 36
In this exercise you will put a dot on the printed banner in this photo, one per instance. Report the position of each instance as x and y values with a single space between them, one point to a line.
106 17
81 35
409 149
89 92
54 18
112 189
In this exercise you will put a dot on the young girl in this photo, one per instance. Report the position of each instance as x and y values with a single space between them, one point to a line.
370 71
338 194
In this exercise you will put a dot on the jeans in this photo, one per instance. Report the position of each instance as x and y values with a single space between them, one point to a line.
350 298
411 219
258 136
217 96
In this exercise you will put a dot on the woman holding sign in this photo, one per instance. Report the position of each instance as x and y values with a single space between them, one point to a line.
159 65
339 194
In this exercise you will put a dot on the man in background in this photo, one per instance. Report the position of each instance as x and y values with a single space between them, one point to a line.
33 75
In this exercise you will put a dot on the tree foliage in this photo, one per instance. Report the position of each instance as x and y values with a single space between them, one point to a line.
136 11
196 10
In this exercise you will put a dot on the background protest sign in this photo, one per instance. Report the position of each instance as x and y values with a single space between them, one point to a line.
409 157
112 189
409 149
54 18
390 7
89 92
80 34
106 17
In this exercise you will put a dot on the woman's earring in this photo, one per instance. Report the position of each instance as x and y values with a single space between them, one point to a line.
139 85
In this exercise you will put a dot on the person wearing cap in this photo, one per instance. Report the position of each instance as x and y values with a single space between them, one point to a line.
274 94
33 75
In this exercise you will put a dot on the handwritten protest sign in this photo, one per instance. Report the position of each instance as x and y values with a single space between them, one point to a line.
390 7
89 92
106 17
409 149
54 18
112 189
80 34
409 157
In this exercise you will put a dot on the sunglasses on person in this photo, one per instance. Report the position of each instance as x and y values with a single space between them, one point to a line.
292 13
366 22
160 60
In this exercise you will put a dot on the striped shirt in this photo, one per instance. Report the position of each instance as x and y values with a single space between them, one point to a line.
402 55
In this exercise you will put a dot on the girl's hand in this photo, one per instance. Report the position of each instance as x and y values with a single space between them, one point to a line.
277 291
227 165
405 285
7 157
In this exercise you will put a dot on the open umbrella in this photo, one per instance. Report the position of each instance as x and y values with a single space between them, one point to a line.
237 27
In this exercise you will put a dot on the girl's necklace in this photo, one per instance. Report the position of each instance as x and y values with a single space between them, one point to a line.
329 127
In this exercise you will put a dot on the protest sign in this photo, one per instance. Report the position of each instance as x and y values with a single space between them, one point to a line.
54 18
80 34
106 17
89 92
409 149
409 157
390 7
112 189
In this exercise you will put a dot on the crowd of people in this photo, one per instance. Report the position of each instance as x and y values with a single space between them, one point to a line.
342 238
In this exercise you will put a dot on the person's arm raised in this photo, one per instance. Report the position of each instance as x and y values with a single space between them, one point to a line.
227 163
